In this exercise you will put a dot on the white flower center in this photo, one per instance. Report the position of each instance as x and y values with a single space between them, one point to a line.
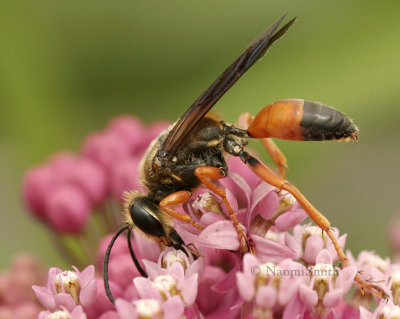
68 282
313 230
148 308
395 288
388 312
323 273
270 269
269 273
272 235
396 278
58 315
166 285
286 202
375 261
208 202
172 257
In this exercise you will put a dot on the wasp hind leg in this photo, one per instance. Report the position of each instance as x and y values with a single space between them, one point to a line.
204 174
267 175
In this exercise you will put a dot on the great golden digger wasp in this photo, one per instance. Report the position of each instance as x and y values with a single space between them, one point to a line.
191 152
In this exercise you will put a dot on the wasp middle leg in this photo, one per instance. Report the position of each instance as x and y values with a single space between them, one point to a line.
204 174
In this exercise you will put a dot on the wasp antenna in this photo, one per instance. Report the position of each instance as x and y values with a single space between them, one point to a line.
137 264
105 263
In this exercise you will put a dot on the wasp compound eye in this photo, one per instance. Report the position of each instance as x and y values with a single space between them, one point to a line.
143 212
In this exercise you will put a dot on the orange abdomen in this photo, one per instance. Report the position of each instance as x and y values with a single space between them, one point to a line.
301 120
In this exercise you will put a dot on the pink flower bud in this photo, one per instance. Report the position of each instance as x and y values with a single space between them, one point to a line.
37 183
106 149
125 176
122 270
67 168
26 310
63 165
120 247
91 178
68 209
130 129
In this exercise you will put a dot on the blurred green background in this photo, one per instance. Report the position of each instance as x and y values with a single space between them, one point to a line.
68 67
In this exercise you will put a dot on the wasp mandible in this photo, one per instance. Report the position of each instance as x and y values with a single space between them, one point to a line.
192 152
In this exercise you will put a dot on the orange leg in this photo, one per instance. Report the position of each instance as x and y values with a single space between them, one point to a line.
276 154
270 177
273 150
204 174
176 199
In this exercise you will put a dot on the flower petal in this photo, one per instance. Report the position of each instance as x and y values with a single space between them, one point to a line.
126 310
220 235
265 202
173 308
190 289
308 295
45 297
333 298
65 300
266 297
290 219
314 244
324 257
365 314
88 293
245 286
270 251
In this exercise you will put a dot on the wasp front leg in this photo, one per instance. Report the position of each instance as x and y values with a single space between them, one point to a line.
204 174
175 199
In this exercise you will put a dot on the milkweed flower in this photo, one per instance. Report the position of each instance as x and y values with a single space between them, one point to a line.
67 289
327 285
17 299
309 240
170 283
268 286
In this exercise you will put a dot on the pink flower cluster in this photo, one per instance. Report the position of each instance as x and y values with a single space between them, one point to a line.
17 299
65 190
294 273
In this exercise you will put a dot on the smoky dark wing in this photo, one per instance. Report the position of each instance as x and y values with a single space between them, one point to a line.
255 51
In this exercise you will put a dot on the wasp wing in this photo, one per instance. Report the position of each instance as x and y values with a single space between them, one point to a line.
255 51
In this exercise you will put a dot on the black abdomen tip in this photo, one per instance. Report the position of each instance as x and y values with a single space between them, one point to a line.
322 122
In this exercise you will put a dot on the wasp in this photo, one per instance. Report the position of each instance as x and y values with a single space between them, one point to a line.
192 152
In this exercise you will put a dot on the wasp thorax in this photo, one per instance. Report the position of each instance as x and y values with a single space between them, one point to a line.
144 214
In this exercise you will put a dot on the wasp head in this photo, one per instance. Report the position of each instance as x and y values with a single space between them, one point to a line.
142 212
